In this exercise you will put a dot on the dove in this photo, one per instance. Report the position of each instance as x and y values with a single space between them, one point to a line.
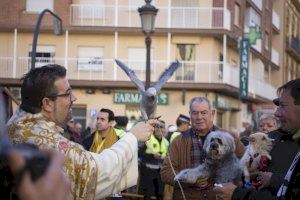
149 97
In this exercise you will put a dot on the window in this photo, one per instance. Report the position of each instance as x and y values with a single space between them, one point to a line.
79 115
186 54
267 73
37 6
44 55
237 10
220 71
90 59
267 45
137 58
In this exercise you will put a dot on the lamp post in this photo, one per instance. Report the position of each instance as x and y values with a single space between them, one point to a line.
57 31
148 13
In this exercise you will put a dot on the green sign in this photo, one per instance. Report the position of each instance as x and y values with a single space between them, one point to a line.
225 103
253 35
135 98
244 65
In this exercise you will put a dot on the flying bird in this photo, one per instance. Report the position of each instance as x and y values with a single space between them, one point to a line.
149 97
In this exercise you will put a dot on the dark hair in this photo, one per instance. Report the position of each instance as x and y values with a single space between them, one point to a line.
39 83
121 120
111 115
182 119
293 87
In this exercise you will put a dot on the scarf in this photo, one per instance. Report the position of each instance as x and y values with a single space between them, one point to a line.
99 143
198 153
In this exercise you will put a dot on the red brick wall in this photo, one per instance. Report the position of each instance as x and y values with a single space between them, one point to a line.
13 14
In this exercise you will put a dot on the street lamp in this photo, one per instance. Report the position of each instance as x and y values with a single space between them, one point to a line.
148 13
57 31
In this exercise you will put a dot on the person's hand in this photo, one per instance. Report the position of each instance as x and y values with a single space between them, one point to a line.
202 181
144 129
264 179
52 185
157 156
225 191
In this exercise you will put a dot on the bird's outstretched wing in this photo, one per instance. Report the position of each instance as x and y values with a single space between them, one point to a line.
164 77
130 73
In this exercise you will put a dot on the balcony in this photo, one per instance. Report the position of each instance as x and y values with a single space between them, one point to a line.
293 47
127 16
275 57
106 69
275 20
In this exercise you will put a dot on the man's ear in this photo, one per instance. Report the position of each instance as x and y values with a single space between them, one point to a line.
112 123
213 111
47 105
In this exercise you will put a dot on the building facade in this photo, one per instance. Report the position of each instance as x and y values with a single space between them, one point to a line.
292 39
203 35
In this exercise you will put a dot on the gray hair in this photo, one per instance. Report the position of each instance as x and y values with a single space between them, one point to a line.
199 100
268 116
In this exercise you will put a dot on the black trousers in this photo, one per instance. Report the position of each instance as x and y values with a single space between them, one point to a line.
150 183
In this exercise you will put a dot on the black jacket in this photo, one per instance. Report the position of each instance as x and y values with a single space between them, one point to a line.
283 153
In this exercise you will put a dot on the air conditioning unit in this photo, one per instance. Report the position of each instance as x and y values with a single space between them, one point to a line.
16 92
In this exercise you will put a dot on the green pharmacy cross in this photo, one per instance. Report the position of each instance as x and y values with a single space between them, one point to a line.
253 35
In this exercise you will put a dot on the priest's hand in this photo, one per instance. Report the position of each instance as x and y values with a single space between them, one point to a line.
144 129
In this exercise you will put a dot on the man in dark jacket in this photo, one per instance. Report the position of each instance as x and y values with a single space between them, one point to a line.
283 180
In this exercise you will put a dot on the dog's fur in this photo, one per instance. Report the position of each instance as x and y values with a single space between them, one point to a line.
221 164
259 145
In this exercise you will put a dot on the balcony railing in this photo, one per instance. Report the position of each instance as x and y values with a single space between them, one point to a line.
275 57
275 20
106 69
127 16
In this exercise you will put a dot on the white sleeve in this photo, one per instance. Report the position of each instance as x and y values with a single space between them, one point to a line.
117 167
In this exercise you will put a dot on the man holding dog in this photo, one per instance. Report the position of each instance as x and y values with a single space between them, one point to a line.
186 150
283 180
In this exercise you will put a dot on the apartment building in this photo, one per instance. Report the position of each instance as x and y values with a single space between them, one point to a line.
203 35
292 39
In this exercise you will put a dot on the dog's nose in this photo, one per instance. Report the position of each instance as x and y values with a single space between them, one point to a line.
214 146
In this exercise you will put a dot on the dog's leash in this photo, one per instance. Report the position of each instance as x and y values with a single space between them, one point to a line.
173 170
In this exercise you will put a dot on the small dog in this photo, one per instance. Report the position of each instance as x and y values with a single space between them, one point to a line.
258 150
221 164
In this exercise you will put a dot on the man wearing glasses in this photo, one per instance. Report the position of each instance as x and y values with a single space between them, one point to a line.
282 181
46 107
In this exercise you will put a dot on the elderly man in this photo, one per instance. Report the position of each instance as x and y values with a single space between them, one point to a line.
282 180
46 107
186 150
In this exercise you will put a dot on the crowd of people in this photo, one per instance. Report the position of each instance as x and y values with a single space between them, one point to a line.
101 163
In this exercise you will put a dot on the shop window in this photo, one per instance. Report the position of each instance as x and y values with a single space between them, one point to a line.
220 118
79 114
133 113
